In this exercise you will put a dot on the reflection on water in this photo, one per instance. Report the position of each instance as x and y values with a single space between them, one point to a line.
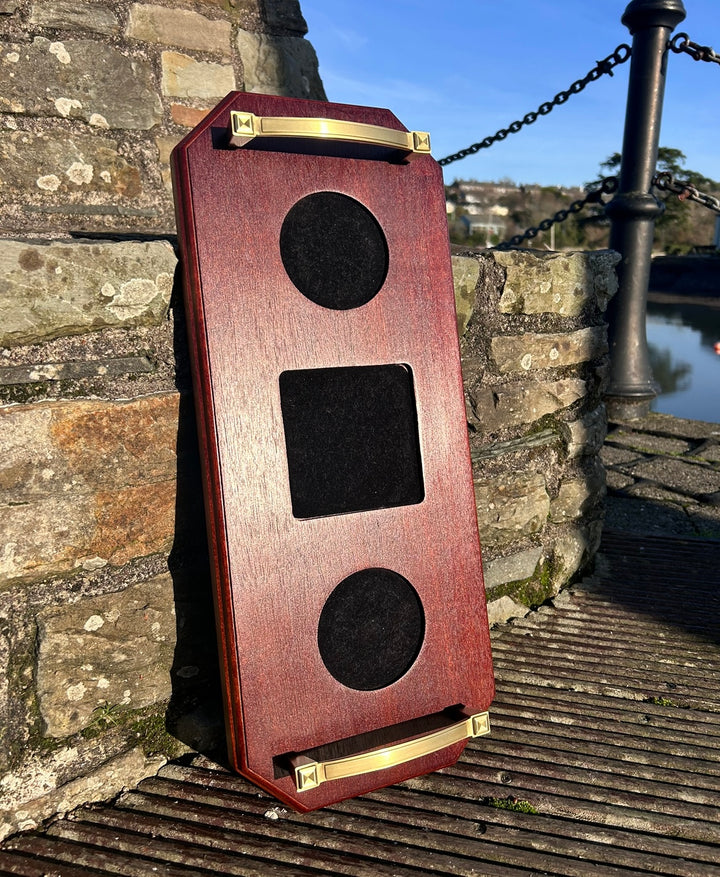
672 375
681 339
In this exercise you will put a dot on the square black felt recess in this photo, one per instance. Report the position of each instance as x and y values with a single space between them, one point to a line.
351 437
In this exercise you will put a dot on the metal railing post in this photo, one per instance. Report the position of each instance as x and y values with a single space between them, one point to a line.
634 209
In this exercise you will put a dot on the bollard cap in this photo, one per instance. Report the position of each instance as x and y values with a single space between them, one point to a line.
641 14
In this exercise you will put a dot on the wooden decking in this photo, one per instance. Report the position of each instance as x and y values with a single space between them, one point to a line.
604 759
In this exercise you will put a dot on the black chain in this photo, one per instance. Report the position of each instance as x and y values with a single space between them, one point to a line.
682 43
606 186
619 56
685 191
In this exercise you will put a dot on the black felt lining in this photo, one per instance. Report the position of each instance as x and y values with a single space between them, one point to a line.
334 250
371 629
351 438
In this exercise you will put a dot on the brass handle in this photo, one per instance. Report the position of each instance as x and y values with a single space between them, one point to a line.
310 774
246 127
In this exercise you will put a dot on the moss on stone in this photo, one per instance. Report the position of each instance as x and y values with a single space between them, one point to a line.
25 729
150 729
143 727
530 592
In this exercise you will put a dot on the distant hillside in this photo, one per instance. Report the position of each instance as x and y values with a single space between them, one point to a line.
487 213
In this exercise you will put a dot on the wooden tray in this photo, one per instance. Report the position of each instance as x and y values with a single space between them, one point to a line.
348 582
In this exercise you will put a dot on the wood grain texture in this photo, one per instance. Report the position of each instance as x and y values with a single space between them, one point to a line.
273 572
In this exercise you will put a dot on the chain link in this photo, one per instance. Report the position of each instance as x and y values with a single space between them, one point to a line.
619 56
682 43
606 186
685 191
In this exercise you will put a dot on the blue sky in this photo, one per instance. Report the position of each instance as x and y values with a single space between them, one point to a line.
462 70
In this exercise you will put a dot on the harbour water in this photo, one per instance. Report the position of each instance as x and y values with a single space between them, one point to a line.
681 339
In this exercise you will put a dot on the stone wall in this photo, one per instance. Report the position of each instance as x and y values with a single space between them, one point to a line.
534 349
91 467
107 646
106 627
95 93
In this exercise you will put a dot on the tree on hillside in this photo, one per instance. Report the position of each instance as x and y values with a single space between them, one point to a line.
683 224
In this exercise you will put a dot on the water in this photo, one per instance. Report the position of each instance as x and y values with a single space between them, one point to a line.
681 339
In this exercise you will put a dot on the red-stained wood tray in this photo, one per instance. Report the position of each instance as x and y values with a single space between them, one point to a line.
346 563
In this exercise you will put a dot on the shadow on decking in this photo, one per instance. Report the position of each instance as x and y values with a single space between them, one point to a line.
674 580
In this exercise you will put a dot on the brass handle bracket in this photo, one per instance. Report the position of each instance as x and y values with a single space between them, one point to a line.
310 774
247 128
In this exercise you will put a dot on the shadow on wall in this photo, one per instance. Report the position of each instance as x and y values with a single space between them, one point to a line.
195 713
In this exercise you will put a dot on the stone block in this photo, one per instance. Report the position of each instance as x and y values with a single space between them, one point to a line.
248 14
13 375
79 79
53 166
85 484
708 451
51 290
649 444
188 117
105 651
603 264
285 15
570 502
279 65
466 272
39 792
578 496
618 481
503 609
5 702
586 436
165 146
572 550
185 77
705 520
534 350
613 456
511 506
178 27
513 568
76 15
668 424
56 535
556 283
510 405
60 448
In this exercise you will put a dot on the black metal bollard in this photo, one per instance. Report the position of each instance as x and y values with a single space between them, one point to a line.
634 209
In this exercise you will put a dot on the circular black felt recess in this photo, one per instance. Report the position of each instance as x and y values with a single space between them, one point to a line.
334 250
371 629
